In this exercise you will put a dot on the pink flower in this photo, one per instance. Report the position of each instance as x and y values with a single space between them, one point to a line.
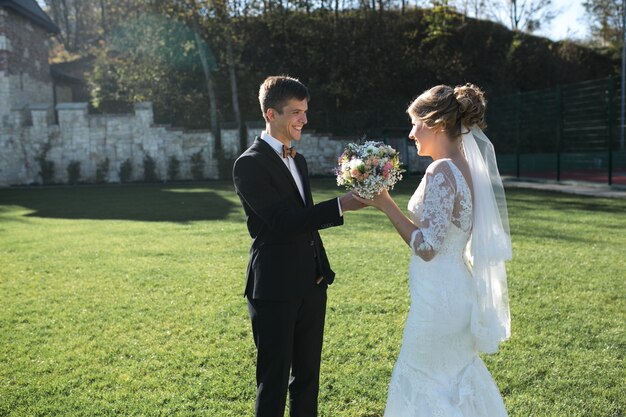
388 166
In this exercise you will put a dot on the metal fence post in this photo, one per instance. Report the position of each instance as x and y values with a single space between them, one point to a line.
518 116
623 79
610 122
559 130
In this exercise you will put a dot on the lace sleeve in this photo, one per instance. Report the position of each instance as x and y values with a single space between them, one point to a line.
435 214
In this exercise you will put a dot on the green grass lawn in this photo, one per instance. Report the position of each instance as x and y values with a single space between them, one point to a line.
127 301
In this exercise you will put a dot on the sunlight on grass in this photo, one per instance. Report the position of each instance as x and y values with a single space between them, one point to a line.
128 301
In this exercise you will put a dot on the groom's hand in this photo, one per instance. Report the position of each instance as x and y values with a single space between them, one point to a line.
348 202
382 201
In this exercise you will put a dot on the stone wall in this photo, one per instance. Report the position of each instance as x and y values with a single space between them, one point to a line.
322 151
90 139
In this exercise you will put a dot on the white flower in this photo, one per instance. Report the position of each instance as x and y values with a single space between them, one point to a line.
355 163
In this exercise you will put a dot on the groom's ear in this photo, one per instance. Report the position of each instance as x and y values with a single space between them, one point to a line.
270 114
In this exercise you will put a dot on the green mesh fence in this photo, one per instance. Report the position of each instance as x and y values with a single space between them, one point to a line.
570 132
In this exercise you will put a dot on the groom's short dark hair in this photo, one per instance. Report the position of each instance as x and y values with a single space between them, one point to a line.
277 90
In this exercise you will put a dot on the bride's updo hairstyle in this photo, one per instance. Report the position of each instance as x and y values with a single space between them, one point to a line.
448 109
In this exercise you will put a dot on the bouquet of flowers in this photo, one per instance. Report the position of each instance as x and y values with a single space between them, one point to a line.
368 168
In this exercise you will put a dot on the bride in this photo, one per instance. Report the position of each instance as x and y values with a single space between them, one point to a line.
459 239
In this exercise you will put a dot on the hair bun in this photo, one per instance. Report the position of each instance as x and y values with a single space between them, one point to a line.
472 105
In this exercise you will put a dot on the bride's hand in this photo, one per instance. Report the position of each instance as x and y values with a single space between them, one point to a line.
380 201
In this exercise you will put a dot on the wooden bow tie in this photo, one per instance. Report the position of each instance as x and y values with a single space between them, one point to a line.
287 152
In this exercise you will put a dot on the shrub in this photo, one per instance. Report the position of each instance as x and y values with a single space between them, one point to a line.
197 166
173 168
149 169
46 167
102 171
126 170
73 172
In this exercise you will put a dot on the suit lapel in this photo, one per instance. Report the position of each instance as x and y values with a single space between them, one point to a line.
266 149
304 176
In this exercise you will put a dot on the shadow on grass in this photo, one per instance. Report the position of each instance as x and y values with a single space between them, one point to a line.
145 202
559 202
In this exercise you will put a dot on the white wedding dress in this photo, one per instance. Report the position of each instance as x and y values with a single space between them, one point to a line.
438 372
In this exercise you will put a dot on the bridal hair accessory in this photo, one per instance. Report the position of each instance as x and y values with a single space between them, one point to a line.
490 244
289 152
369 168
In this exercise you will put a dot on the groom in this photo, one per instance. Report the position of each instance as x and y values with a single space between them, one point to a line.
288 271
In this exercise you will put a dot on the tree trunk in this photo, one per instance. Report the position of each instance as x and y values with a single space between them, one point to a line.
68 29
223 15
103 17
215 129
514 16
234 91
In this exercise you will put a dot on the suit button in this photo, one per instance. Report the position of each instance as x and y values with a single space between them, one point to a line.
312 243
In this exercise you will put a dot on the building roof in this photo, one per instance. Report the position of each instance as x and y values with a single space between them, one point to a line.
31 10
72 71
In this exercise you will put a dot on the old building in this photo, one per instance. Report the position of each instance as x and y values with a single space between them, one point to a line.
25 78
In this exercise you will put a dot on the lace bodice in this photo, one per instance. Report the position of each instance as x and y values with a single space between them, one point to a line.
443 198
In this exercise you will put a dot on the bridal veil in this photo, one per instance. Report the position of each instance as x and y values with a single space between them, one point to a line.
490 243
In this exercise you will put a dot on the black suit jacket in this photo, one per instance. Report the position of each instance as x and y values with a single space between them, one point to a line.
287 254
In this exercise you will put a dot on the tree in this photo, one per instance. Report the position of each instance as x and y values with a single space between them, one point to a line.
475 8
212 19
72 17
224 13
152 58
523 15
606 21
83 23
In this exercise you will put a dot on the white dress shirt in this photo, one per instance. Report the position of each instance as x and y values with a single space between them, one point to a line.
290 164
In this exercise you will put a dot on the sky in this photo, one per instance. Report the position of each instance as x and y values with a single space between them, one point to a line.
569 22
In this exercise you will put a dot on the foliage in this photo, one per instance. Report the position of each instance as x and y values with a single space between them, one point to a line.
83 23
151 58
352 61
173 168
606 18
440 20
349 68
113 308
73 172
126 171
149 169
102 171
197 166
46 166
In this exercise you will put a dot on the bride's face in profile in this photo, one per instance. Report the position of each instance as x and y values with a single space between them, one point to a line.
423 136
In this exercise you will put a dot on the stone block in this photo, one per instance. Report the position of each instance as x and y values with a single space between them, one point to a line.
144 114
18 117
40 115
72 115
